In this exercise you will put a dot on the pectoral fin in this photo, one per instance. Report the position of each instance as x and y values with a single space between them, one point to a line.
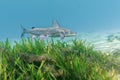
62 35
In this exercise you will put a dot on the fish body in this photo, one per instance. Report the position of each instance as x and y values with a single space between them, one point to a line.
54 31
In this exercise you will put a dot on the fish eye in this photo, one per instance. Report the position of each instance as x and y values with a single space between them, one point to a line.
33 27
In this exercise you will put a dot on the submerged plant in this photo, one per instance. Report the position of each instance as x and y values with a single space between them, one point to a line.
37 60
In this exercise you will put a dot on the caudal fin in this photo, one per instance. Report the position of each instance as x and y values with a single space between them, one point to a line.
24 30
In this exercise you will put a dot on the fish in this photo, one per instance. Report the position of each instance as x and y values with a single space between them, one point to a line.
55 31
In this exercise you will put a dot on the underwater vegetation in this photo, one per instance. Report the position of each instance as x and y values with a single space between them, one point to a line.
56 60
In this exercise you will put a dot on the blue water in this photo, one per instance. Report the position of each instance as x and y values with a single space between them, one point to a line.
82 16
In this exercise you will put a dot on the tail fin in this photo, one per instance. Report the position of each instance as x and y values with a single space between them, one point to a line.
24 30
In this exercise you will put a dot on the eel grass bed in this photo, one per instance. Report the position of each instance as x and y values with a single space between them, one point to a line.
55 60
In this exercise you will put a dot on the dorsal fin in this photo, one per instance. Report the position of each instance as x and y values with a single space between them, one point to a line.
55 24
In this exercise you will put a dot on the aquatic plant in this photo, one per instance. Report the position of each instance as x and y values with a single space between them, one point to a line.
37 60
